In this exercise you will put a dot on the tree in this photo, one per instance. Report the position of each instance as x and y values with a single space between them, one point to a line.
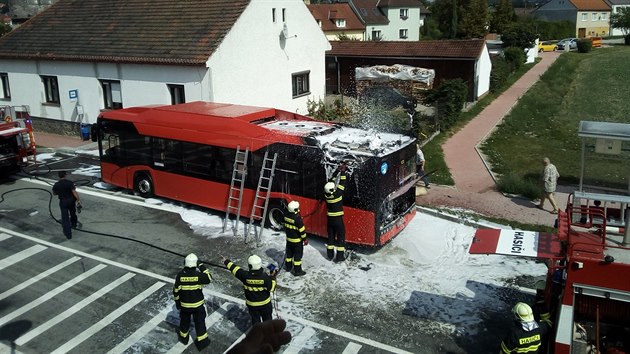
4 29
474 19
430 30
621 20
502 16
521 35
444 13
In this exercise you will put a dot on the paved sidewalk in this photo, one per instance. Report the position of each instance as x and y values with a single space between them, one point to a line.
475 188
62 142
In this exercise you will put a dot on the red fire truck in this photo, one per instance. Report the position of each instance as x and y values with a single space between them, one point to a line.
588 281
17 144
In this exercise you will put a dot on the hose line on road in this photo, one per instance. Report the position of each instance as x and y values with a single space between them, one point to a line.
50 195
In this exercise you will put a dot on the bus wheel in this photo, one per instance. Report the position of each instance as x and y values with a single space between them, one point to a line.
275 216
143 185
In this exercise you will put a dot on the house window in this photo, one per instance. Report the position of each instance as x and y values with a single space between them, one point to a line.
340 23
284 15
177 94
376 34
273 15
594 16
602 16
51 89
584 16
402 33
404 14
300 84
112 96
4 82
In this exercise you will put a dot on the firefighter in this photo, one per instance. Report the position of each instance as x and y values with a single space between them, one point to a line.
334 204
258 287
190 302
296 239
526 336
69 201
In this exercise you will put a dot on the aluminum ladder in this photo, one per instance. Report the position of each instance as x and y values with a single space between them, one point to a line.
235 194
261 200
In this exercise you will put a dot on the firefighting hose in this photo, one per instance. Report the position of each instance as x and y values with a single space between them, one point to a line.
95 232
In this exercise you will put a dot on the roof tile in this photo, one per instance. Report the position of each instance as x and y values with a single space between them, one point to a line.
428 49
182 32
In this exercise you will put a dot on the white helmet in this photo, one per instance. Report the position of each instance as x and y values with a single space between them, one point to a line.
329 187
523 312
293 206
191 261
254 262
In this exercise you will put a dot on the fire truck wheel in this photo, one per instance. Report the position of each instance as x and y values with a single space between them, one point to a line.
143 185
275 216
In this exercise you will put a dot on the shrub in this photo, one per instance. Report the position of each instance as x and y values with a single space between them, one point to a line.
584 45
515 57
449 100
499 74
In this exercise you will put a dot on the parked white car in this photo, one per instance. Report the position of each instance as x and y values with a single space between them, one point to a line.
571 41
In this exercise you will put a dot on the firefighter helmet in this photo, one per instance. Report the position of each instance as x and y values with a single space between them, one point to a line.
294 206
191 261
329 187
254 262
523 312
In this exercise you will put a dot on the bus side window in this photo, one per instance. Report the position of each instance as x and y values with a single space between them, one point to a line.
224 164
197 158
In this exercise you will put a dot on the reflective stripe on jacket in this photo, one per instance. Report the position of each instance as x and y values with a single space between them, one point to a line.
334 200
294 228
257 284
188 286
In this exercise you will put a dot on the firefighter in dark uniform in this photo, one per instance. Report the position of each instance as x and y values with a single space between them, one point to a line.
190 301
334 204
68 202
526 336
296 239
258 287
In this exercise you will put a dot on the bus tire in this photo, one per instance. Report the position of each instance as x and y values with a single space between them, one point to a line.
275 216
143 185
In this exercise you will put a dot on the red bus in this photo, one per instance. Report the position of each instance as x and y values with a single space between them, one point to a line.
186 152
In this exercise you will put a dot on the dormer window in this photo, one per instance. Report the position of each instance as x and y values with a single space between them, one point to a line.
404 14
340 22
319 23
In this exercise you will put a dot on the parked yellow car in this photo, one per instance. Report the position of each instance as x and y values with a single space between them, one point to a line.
547 47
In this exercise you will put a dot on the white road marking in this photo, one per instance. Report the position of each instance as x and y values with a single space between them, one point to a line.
37 278
210 321
299 341
107 319
235 342
6 349
14 258
140 332
305 322
49 295
74 309
352 348
4 236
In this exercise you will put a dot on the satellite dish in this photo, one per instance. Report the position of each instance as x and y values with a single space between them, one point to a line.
285 31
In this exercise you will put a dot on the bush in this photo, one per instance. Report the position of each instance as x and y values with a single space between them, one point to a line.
626 39
548 30
449 100
515 57
499 74
584 45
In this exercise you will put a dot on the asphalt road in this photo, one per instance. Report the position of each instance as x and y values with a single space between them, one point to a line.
100 294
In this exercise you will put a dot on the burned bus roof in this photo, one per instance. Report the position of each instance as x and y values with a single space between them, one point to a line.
339 139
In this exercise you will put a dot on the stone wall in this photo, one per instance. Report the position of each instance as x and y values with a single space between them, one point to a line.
54 126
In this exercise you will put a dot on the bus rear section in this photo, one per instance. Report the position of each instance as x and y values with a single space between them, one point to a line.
186 152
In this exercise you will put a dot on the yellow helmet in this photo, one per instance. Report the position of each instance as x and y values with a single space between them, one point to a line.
523 312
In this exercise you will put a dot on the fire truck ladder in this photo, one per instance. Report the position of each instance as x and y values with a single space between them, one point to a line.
261 200
235 195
